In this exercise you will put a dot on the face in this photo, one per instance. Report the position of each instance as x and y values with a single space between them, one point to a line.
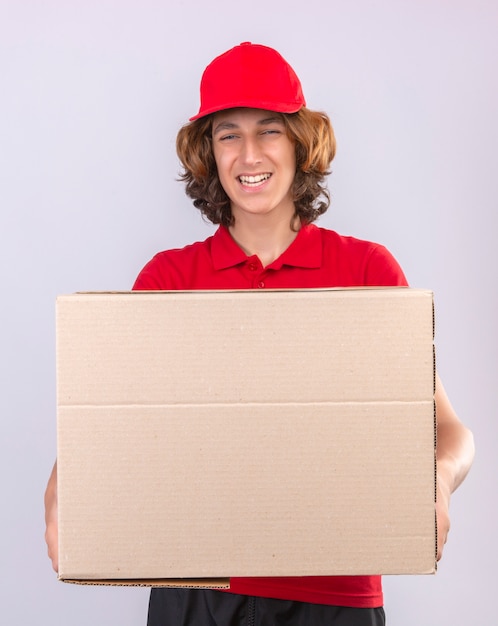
256 161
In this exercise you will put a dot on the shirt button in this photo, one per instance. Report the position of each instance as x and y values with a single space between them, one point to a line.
261 284
252 266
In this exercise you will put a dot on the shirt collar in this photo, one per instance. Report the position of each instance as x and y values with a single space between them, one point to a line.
304 251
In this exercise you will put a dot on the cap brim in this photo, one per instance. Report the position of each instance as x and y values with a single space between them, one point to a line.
283 107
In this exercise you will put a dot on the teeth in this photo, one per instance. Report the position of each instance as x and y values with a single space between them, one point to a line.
254 180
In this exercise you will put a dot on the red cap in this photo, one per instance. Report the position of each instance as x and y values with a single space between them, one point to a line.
250 75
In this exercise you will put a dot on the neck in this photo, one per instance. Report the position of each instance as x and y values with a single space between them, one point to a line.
265 240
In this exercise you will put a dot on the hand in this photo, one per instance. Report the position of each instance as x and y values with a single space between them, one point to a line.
442 516
454 453
51 520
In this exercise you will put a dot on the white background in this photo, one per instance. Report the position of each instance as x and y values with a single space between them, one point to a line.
91 97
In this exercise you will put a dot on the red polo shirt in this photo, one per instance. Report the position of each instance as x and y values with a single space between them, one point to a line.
316 258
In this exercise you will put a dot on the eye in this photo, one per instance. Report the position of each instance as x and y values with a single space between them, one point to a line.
227 137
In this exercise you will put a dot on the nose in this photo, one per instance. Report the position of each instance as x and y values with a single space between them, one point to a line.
251 151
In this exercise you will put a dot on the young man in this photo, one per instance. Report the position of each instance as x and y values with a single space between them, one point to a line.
255 161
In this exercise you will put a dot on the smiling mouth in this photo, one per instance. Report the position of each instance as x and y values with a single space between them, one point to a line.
254 181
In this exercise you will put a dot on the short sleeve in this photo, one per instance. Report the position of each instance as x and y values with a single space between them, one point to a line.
382 269
153 277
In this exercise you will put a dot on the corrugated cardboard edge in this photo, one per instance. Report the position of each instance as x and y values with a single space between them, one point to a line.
183 583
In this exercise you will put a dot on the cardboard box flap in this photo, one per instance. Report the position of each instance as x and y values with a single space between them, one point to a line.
270 336
175 583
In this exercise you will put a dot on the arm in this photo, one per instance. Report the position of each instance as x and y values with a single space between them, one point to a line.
51 523
454 454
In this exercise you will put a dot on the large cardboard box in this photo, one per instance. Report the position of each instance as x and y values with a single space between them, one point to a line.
272 433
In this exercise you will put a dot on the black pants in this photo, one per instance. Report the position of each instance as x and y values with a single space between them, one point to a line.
189 607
